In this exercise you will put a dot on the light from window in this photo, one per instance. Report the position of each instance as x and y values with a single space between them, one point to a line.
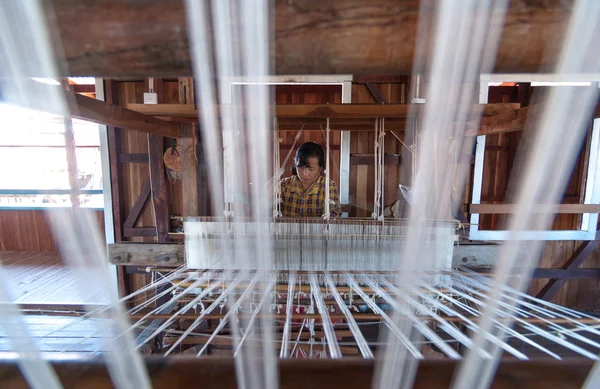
33 160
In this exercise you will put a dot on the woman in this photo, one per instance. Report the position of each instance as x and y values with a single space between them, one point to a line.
304 193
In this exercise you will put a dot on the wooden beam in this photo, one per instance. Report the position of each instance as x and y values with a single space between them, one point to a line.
339 124
553 285
159 186
136 210
322 111
557 273
567 274
176 110
219 373
101 112
166 254
189 181
147 255
511 208
371 111
104 38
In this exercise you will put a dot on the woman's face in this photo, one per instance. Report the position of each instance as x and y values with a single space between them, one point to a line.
309 174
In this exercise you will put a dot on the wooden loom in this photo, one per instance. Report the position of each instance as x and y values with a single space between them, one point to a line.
197 296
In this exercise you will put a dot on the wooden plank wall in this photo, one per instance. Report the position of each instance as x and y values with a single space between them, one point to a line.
29 230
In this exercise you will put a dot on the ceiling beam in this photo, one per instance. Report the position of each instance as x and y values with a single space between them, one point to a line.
357 117
56 100
93 110
109 38
323 111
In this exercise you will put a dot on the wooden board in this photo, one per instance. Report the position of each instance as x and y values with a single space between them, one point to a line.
28 230
144 254
347 373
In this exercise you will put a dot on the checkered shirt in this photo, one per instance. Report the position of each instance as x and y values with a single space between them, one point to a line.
296 202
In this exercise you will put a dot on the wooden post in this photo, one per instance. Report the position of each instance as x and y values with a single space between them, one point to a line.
114 150
186 90
187 152
158 183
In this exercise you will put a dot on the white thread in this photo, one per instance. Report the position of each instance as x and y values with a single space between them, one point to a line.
327 213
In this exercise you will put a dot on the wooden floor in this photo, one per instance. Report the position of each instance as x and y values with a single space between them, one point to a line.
34 277
41 279
56 334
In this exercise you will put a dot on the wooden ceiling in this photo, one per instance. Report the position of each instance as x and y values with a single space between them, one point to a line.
131 38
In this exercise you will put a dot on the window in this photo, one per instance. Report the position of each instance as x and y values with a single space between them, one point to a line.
33 160
587 228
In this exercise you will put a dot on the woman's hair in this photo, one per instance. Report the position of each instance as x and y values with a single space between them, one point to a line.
306 151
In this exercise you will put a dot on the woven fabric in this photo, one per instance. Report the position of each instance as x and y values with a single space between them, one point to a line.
296 202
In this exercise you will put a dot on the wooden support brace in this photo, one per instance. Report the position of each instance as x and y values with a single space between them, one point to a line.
550 290
136 210
376 93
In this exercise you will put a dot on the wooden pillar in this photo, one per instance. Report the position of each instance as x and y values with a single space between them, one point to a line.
158 184
189 165
204 197
186 90
114 150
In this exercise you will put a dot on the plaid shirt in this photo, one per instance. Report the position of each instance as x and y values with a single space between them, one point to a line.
296 202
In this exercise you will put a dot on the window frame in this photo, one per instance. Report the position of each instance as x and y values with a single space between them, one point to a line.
587 230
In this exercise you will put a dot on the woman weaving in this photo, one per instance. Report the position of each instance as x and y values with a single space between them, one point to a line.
304 193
